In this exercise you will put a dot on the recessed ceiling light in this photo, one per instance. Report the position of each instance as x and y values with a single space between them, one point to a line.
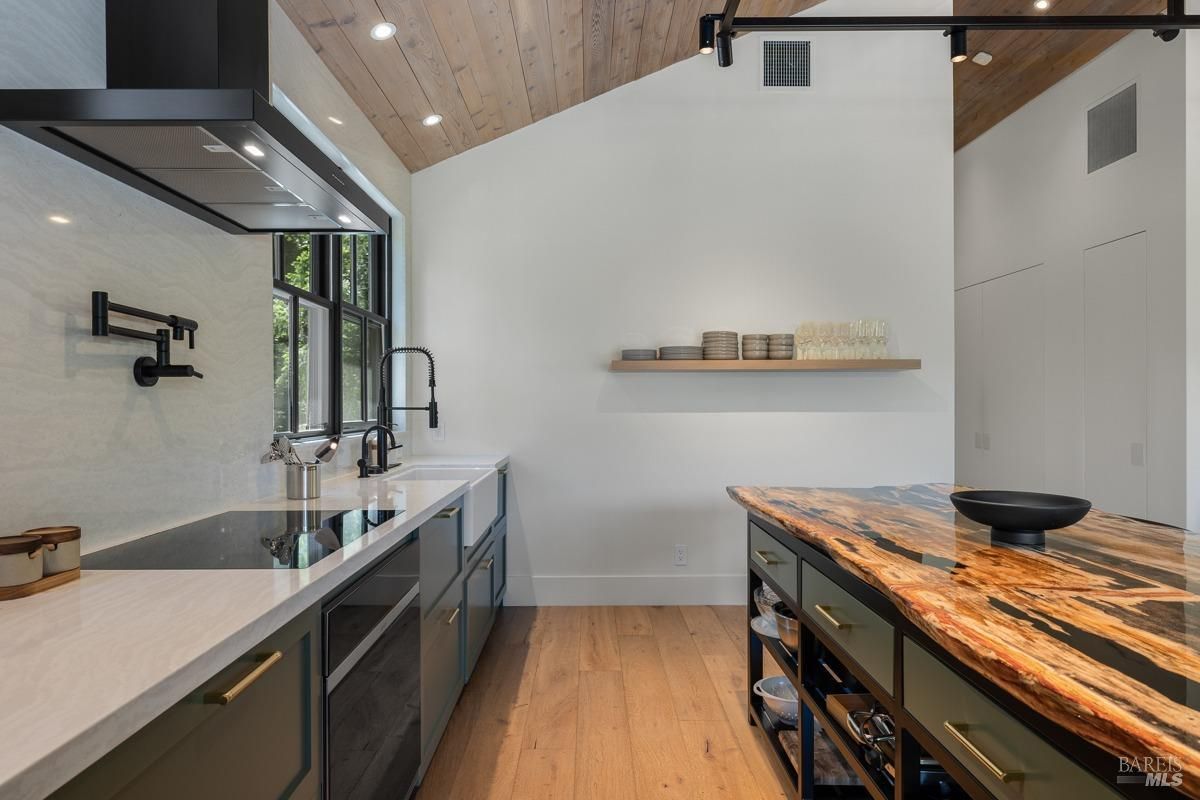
431 120
345 219
1041 5
982 58
384 30
254 150
59 219
335 120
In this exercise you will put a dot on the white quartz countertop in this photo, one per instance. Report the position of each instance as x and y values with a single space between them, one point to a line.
85 665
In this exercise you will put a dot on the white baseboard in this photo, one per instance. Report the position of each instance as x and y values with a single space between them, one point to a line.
625 590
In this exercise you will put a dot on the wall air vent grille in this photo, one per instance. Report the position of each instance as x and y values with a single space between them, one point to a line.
1112 129
786 63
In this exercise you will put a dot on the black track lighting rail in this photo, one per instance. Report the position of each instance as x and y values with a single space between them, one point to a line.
716 30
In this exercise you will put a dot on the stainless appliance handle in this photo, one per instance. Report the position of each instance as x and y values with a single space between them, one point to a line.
368 641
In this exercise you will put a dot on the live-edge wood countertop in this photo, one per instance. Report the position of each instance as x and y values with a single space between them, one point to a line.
1098 632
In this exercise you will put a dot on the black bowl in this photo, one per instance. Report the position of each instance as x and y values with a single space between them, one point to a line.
1020 517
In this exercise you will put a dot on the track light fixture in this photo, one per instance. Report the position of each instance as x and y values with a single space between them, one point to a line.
708 32
958 44
724 49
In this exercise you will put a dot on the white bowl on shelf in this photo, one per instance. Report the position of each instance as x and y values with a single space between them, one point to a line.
781 697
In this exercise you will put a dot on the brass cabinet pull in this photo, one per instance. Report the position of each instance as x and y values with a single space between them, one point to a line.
958 730
489 563
447 513
830 618
453 615
765 558
265 662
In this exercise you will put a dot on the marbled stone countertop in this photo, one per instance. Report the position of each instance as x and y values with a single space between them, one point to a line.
85 665
1094 632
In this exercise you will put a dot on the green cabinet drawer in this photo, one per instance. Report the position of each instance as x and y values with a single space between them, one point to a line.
441 666
481 609
441 554
1011 761
862 633
500 571
252 730
779 563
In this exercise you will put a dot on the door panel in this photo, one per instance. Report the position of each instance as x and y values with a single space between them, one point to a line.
968 387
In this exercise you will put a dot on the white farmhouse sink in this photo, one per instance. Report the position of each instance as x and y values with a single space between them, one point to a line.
481 503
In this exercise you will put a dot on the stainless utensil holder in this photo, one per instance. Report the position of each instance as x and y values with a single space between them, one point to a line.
303 481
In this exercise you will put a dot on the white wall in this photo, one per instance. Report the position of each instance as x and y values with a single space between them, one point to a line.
1024 199
685 201
84 444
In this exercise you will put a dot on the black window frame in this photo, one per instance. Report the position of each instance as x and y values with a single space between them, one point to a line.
325 250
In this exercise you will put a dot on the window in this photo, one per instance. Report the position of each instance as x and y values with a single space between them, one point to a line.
331 325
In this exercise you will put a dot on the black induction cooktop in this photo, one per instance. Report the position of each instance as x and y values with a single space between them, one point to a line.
244 540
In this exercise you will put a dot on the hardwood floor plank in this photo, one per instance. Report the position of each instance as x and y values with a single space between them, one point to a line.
566 32
729 677
708 634
532 26
632 621
691 689
545 775
604 760
598 646
714 749
553 717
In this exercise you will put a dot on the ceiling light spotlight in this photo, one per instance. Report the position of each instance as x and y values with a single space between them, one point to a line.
708 32
431 120
335 121
724 50
384 30
254 150
1041 5
982 58
345 219
59 219
958 44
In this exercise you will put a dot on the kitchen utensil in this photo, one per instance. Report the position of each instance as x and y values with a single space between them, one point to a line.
60 548
327 450
1020 517
766 606
788 626
303 481
765 626
780 696
769 594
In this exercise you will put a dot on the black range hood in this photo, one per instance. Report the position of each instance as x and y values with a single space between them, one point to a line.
185 118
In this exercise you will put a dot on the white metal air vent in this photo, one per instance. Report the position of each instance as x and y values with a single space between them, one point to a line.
786 64
1112 129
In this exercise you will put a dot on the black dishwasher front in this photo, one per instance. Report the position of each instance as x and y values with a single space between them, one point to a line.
372 670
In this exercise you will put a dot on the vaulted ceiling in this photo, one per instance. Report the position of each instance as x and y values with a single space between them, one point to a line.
490 67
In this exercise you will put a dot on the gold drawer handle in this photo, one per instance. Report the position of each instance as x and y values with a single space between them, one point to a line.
766 559
265 662
453 615
448 513
958 730
830 618
489 563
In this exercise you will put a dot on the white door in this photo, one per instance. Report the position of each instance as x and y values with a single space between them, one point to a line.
969 464
1116 379
1014 379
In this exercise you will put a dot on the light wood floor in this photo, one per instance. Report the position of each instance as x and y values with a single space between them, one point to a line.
606 703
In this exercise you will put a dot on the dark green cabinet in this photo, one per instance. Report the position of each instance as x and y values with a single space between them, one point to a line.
252 730
500 571
480 604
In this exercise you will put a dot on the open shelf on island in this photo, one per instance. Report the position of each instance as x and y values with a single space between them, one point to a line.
715 365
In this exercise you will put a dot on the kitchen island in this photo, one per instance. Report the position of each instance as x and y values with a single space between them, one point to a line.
1073 661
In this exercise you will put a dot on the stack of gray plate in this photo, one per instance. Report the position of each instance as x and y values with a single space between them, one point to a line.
680 352
721 345
754 346
781 346
639 355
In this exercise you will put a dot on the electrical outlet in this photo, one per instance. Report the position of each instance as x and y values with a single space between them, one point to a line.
681 555
439 433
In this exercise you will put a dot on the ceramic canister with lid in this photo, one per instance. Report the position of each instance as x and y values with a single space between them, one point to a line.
20 560
60 548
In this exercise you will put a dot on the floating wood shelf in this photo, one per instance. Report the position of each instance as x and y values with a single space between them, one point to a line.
713 365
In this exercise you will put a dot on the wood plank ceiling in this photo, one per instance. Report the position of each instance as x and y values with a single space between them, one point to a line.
490 67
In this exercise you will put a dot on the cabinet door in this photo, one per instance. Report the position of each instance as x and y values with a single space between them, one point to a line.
1116 395
441 666
969 467
481 596
263 741
441 554
500 570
